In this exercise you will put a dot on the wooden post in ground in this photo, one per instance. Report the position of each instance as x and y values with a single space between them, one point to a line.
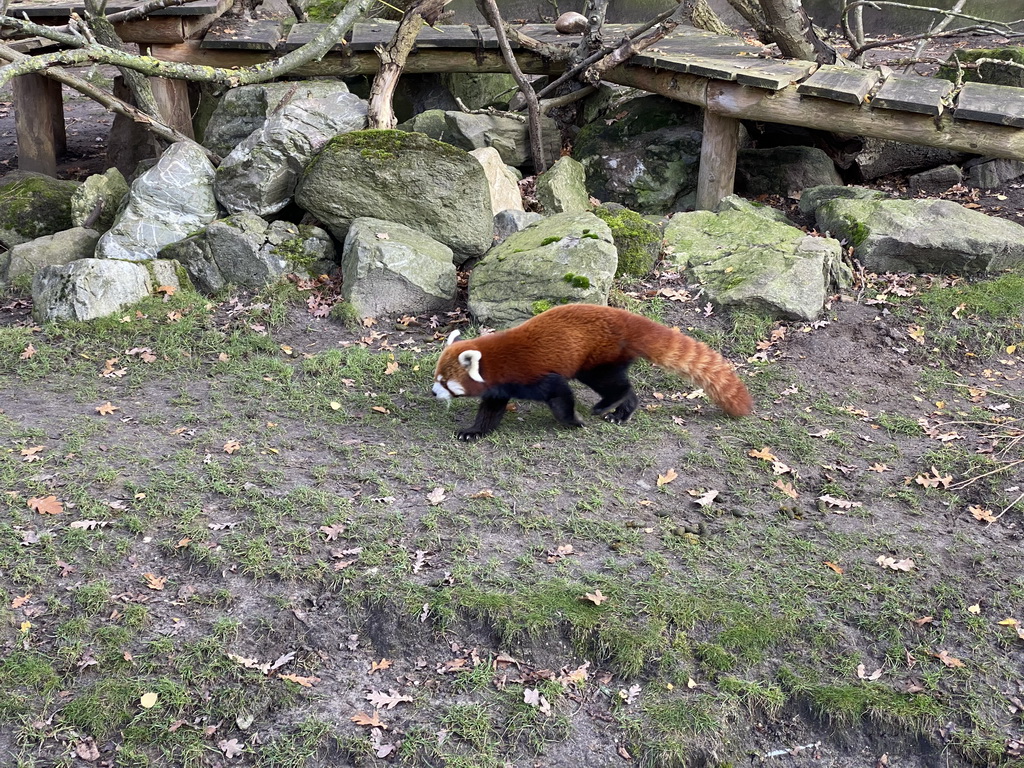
39 123
717 172
172 99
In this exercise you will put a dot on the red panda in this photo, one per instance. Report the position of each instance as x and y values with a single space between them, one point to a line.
590 343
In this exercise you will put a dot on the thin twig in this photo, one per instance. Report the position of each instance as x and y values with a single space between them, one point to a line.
976 478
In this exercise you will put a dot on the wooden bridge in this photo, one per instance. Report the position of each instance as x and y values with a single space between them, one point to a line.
727 77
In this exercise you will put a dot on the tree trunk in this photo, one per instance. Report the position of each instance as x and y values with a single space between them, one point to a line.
790 27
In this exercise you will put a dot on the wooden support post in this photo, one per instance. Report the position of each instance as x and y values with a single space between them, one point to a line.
39 123
717 171
172 98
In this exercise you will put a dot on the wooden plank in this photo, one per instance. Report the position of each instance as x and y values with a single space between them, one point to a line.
775 74
62 8
912 94
368 35
259 35
844 84
300 34
999 104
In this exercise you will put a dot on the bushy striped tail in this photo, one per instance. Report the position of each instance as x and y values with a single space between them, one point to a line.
678 352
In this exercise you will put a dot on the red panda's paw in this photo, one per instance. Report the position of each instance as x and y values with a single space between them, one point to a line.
469 435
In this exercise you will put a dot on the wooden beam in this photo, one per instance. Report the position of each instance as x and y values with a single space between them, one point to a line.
38 123
345 65
789 108
717 172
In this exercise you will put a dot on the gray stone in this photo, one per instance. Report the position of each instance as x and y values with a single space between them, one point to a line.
430 123
504 184
562 188
478 90
33 205
993 173
811 199
507 222
935 179
646 158
568 257
244 250
168 202
260 174
243 110
388 267
923 235
49 250
783 171
407 178
87 289
506 134
745 258
102 192
882 157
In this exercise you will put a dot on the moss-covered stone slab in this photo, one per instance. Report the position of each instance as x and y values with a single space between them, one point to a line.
745 257
565 258
922 235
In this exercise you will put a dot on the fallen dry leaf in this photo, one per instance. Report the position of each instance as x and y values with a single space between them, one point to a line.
361 718
153 581
595 597
106 409
834 567
28 352
907 564
305 682
949 661
232 446
148 700
46 505
381 700
667 478
436 496
377 666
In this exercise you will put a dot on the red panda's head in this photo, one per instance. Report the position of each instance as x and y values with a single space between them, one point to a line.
458 370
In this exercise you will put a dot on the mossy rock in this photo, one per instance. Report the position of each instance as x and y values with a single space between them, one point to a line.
637 240
33 205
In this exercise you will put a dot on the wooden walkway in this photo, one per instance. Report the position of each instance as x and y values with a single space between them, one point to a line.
726 76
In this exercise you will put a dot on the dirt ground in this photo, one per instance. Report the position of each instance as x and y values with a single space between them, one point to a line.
864 414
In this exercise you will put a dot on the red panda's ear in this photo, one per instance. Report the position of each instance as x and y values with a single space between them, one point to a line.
452 337
470 360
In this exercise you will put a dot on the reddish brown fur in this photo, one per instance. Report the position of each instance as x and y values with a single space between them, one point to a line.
577 337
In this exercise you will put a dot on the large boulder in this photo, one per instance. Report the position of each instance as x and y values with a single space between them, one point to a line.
744 256
259 175
26 259
783 171
388 267
568 257
244 250
646 158
243 110
406 178
168 202
91 288
922 235
33 205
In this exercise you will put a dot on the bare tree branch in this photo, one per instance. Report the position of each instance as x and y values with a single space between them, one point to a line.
314 50
107 100
489 10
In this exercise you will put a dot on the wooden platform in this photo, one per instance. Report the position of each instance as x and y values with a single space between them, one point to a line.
728 77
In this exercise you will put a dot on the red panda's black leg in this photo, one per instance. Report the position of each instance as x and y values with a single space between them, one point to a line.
562 403
611 382
488 417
